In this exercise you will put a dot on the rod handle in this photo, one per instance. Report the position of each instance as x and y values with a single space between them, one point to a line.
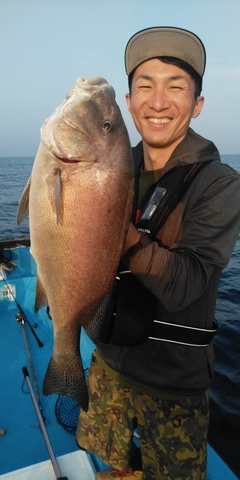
25 372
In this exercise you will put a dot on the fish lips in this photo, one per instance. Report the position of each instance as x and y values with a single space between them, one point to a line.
67 160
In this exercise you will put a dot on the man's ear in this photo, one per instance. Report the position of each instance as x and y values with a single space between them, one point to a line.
128 100
198 107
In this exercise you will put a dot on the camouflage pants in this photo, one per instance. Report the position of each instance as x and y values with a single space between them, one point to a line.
172 433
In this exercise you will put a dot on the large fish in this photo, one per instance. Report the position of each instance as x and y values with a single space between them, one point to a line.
79 199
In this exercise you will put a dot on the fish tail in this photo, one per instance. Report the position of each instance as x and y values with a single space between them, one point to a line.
68 381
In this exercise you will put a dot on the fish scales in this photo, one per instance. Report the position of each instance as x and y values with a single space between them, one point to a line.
79 199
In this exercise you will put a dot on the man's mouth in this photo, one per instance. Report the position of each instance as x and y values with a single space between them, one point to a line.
159 121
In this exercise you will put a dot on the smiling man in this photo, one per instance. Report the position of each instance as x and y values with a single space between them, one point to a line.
154 364
162 103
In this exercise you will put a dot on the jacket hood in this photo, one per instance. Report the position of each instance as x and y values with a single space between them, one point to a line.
192 149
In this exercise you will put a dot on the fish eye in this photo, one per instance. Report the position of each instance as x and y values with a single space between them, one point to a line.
106 126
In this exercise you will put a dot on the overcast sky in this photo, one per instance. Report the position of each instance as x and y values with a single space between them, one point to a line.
45 45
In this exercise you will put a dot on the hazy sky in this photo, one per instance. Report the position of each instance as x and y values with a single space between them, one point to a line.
45 45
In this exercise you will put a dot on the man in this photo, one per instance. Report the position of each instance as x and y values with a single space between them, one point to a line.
154 375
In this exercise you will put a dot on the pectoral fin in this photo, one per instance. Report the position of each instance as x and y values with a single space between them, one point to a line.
23 206
54 193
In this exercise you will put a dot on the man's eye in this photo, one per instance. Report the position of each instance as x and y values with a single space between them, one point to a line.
176 87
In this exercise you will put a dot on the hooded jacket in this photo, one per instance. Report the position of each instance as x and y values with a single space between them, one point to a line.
183 275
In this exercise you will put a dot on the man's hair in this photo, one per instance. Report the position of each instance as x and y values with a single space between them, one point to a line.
178 63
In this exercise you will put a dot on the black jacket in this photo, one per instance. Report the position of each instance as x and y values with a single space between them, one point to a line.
183 275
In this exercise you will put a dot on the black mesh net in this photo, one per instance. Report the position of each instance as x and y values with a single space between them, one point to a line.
67 412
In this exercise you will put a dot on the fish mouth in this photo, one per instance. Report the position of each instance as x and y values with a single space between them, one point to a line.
67 160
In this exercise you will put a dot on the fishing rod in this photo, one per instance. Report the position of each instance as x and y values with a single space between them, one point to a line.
43 429
22 319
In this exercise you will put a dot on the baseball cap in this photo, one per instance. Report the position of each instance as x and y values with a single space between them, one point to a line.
165 41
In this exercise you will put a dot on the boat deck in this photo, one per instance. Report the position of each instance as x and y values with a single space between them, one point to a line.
73 466
23 451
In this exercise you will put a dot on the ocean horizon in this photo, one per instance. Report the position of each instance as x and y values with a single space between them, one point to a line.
14 174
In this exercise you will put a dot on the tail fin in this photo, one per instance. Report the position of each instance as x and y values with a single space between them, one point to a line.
69 381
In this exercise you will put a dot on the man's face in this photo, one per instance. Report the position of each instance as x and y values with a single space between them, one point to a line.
162 103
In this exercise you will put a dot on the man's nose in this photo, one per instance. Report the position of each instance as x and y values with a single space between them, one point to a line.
159 99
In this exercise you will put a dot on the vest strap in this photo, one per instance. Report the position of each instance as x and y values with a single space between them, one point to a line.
181 334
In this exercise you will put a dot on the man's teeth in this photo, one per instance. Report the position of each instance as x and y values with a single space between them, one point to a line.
159 121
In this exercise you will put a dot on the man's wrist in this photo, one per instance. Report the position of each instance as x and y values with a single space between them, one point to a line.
143 242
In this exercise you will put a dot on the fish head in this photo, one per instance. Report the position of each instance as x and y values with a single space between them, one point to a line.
86 124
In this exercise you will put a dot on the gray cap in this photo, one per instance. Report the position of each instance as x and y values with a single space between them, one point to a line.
165 41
